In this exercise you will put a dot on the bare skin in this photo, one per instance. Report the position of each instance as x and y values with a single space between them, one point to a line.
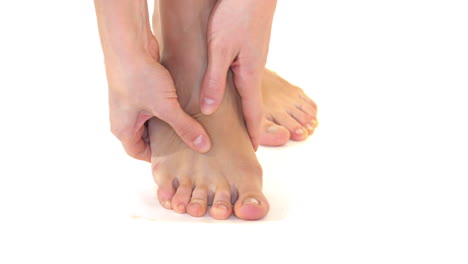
228 177
289 112
139 86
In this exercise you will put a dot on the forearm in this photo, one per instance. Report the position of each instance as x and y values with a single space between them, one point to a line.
124 30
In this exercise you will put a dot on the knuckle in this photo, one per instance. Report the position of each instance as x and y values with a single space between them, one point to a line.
116 131
184 131
121 133
165 111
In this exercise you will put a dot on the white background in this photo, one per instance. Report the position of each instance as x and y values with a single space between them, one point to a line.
383 180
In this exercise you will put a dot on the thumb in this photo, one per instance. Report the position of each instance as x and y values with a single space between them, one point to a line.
248 85
214 81
187 128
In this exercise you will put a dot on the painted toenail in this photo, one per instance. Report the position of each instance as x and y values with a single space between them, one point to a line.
299 131
251 201
166 204
272 129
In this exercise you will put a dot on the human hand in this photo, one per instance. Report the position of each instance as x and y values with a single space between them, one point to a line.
238 39
143 88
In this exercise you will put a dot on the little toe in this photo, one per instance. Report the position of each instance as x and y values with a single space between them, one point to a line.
199 202
251 206
165 193
165 184
221 208
181 198
273 134
296 130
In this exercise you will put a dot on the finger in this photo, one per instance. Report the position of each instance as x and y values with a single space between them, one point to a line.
248 84
187 128
131 135
136 147
214 80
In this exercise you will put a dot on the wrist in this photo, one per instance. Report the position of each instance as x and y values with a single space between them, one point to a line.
132 56
125 32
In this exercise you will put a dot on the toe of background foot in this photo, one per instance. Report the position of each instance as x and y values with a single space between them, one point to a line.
274 135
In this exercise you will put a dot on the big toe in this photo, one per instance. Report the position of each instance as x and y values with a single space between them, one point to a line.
251 206
273 134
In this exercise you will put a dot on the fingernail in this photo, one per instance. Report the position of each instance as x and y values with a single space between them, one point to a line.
251 201
208 101
201 144
207 107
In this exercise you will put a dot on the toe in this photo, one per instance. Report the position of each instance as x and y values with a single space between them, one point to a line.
165 193
199 202
306 108
221 208
273 134
296 130
181 198
307 121
309 101
251 205
165 184
300 116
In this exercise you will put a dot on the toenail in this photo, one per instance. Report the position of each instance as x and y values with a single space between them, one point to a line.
315 123
166 204
198 201
195 206
221 206
310 127
251 201
299 131
181 207
272 129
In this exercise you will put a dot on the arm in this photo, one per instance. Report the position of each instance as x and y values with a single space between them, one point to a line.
139 87
238 39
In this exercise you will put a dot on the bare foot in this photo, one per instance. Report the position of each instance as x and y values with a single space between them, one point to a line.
289 112
229 176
